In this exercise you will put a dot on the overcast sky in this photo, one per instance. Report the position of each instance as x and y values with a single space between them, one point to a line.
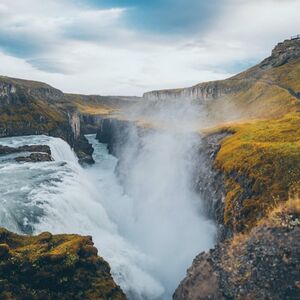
127 47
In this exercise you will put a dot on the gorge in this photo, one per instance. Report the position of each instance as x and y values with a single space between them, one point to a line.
212 169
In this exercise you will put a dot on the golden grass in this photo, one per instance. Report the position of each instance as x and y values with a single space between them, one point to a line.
90 109
266 154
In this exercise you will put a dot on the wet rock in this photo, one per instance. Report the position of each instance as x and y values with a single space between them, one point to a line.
84 151
5 150
35 157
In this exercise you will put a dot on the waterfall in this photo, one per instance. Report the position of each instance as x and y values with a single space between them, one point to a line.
149 232
61 151
62 197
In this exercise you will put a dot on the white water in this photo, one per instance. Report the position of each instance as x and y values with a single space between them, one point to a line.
149 238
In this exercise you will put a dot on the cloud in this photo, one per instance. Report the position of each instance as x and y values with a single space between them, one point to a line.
34 34
105 48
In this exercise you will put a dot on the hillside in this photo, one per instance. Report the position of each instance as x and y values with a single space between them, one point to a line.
269 89
30 107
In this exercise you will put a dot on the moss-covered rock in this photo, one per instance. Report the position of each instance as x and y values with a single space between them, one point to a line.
261 164
53 267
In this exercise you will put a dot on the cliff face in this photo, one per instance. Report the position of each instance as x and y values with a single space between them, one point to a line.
283 53
202 92
261 265
116 134
29 107
53 267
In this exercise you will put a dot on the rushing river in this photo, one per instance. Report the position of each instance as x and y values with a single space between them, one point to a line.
149 241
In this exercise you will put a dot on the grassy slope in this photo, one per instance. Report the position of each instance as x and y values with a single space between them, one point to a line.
261 158
266 152
268 95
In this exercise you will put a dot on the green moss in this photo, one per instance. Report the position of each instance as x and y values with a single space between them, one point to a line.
53 267
263 157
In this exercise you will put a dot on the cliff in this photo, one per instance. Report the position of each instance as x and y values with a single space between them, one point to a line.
30 107
53 267
263 264
255 190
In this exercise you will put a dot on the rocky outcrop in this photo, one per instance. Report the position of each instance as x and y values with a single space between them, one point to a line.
34 157
53 267
262 265
38 153
83 150
283 53
4 150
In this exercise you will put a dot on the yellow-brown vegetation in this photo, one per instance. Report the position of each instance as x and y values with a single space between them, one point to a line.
262 156
53 267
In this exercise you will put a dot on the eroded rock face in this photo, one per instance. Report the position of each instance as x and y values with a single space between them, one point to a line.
202 92
283 53
262 265
53 267
116 133
39 153
209 181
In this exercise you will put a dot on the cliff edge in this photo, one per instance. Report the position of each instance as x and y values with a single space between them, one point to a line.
53 267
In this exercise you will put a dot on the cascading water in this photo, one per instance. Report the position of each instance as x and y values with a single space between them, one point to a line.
149 235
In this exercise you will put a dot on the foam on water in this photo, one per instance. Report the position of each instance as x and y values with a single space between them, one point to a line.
145 241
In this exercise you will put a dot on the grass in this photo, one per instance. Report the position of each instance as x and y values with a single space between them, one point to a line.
263 158
91 109
53 266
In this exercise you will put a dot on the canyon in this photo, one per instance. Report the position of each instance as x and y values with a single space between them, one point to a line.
232 148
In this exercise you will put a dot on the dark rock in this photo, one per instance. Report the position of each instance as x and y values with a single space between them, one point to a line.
253 266
117 134
4 251
35 157
4 150
84 150
209 181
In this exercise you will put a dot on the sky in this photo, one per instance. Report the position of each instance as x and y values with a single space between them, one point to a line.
128 47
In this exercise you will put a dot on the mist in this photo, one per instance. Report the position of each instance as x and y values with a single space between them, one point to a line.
163 216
